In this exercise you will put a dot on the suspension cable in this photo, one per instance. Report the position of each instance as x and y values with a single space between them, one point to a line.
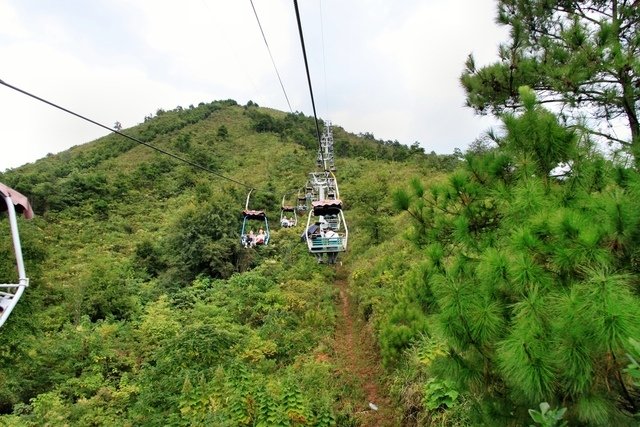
306 64
324 63
271 56
160 150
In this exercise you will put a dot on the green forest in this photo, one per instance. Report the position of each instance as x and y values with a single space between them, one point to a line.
495 286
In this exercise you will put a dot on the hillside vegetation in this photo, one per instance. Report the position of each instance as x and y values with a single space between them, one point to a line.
518 299
499 287
499 290
143 308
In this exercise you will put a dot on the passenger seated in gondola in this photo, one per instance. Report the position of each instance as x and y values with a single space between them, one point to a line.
252 238
312 231
260 237
286 222
328 232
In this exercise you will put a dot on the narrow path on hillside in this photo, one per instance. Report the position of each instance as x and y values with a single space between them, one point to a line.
358 363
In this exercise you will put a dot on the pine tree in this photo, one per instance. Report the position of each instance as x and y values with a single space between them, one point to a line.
531 274
581 55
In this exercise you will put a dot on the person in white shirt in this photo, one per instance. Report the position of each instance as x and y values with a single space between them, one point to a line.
328 233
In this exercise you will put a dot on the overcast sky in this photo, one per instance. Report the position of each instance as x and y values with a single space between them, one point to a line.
386 67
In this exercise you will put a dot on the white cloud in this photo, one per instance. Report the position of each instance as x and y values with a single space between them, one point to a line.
11 24
391 68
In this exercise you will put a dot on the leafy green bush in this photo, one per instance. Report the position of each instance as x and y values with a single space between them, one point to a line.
439 394
547 417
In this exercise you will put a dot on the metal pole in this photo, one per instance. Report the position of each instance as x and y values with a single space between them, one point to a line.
23 281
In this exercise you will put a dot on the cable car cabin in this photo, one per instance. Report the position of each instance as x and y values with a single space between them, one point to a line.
301 206
249 238
310 195
288 216
10 293
322 186
332 188
320 234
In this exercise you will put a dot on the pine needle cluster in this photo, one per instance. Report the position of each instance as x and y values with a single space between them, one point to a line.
533 276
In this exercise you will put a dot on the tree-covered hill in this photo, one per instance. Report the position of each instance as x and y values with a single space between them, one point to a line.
499 289
144 309
518 300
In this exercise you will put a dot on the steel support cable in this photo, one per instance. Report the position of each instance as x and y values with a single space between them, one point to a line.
189 162
271 56
306 64
324 63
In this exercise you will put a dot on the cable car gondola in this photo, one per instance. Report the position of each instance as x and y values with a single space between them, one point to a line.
249 239
322 186
288 214
10 293
322 236
302 207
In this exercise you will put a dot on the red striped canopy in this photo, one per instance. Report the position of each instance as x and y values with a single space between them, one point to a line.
20 201
325 207
254 214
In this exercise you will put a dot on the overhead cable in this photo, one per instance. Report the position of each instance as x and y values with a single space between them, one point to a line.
182 159
271 56
324 63
306 64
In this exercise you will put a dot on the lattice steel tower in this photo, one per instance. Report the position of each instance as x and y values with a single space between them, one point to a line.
325 159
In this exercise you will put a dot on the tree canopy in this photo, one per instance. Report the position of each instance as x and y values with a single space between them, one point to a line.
527 292
582 55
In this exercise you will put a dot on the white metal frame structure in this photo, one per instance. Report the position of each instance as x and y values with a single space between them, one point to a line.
325 158
248 215
284 208
322 186
10 293
318 243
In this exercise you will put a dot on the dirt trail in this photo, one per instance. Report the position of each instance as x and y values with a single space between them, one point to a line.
358 363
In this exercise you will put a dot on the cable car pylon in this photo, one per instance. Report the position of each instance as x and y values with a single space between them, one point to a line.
325 159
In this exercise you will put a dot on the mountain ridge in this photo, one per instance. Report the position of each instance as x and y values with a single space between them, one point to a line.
124 234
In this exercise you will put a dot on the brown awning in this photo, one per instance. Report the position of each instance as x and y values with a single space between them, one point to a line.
20 201
254 214
326 207
287 209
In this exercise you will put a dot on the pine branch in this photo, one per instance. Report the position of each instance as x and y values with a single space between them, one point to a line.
609 137
628 25
625 391
586 17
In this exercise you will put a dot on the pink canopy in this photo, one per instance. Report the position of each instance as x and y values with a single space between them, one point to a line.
20 201
326 207
249 214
